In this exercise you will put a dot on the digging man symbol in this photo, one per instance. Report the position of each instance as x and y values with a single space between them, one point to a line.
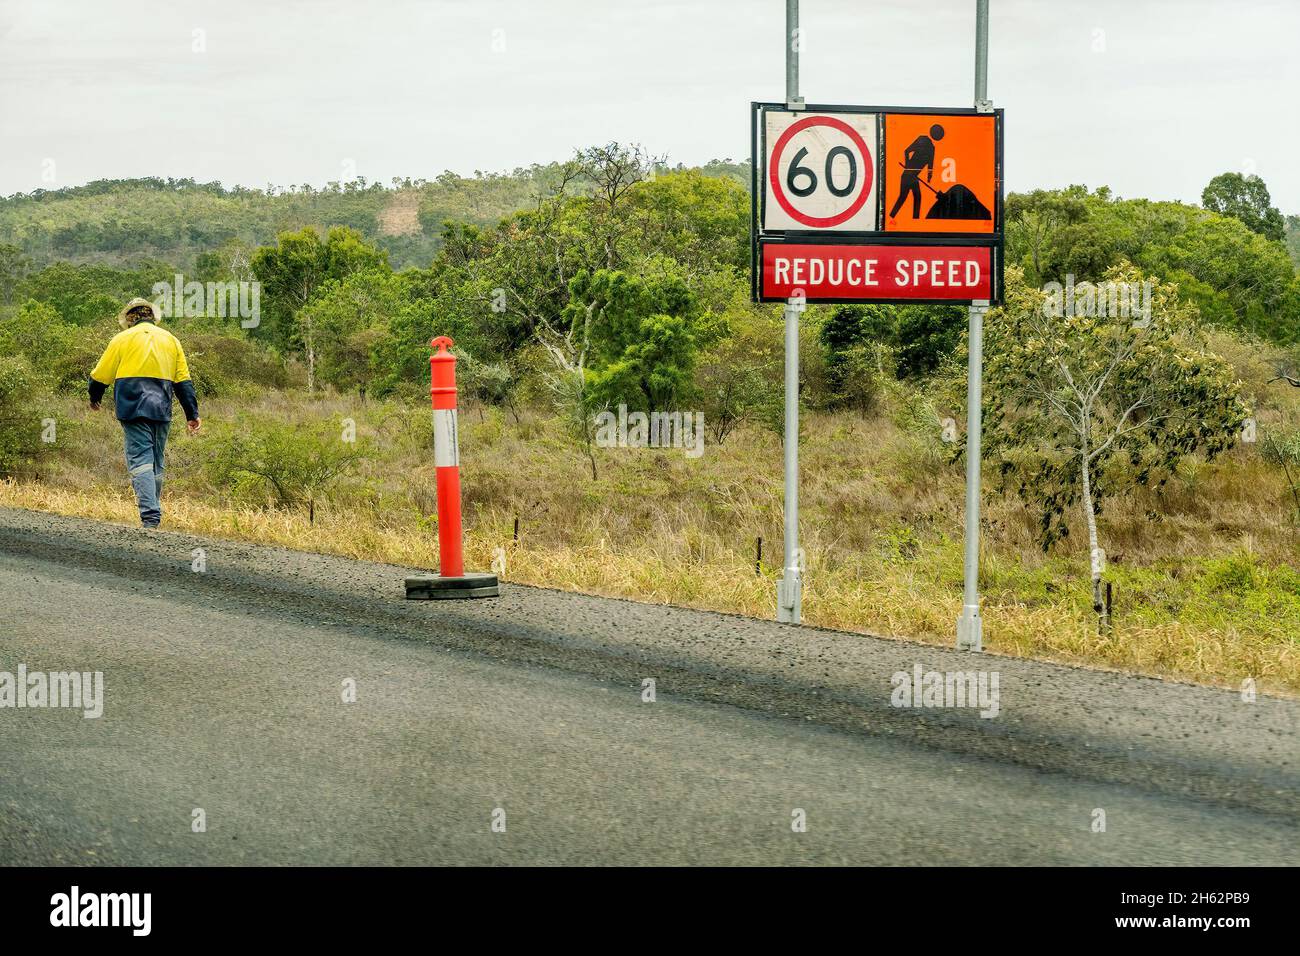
919 156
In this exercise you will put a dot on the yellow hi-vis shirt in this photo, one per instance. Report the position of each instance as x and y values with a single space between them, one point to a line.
146 366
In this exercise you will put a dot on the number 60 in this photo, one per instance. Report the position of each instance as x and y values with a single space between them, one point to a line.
797 170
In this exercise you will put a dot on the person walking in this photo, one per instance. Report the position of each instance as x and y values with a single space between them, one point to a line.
146 366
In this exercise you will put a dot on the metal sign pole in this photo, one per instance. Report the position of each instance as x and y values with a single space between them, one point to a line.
790 587
982 102
793 40
970 626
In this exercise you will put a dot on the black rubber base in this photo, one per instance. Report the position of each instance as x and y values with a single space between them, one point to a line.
432 587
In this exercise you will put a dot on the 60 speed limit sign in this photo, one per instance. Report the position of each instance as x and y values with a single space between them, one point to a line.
820 171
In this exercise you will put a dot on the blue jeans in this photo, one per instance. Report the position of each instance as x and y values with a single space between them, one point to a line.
145 441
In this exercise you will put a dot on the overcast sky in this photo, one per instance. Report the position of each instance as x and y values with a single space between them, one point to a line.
1152 97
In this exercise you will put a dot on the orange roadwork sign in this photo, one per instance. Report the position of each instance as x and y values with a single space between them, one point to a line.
940 173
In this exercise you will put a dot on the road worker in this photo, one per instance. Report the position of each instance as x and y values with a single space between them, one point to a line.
146 366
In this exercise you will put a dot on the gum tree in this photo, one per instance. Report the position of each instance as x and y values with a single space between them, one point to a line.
1245 198
294 269
1097 401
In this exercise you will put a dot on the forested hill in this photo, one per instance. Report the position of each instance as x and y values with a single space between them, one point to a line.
1235 255
124 221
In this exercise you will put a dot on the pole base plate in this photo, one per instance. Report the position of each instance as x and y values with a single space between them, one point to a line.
789 600
435 587
970 629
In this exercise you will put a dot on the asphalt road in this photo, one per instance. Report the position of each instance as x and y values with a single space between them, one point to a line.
224 692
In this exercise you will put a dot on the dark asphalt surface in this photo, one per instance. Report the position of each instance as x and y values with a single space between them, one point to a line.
224 692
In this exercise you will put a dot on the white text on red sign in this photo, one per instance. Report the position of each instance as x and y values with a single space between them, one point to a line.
872 272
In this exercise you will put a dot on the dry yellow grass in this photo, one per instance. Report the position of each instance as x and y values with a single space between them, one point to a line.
1206 590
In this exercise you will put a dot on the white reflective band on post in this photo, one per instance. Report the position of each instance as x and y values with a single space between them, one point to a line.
446 448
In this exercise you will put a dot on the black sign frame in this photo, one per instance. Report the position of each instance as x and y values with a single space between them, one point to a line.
758 236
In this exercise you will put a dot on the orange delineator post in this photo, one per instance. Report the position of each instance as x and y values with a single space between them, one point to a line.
452 582
446 457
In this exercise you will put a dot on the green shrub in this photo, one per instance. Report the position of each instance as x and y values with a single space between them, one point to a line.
282 462
862 371
223 365
20 416
1237 574
61 354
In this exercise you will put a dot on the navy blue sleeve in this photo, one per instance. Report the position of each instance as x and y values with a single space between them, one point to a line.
189 399
97 390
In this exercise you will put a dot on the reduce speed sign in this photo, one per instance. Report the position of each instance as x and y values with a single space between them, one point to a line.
820 171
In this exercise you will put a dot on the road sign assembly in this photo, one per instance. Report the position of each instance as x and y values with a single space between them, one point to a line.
886 205
876 204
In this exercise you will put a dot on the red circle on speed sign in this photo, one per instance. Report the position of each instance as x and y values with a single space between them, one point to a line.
868 173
